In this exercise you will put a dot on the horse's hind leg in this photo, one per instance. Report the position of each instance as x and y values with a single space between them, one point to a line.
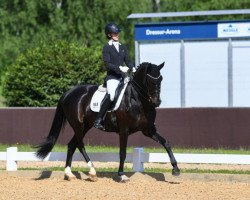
92 171
158 138
76 142
71 150
80 133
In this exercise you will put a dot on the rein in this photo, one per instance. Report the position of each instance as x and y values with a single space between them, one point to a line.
141 91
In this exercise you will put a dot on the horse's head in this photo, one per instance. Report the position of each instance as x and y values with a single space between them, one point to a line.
148 77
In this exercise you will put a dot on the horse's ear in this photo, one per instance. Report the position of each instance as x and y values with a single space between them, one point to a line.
161 65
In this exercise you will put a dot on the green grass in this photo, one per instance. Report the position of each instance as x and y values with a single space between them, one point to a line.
146 170
93 149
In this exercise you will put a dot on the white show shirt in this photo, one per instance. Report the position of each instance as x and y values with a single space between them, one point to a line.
116 44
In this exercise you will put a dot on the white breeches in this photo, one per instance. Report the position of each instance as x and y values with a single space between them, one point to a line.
112 84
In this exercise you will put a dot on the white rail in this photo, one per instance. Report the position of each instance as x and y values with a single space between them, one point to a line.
138 158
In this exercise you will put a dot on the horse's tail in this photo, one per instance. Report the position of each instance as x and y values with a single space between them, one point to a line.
58 124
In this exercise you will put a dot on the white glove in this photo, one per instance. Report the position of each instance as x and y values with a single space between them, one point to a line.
124 69
134 70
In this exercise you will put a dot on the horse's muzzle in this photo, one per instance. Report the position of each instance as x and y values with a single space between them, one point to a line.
155 101
158 103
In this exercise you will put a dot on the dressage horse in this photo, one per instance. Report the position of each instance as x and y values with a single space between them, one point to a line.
137 112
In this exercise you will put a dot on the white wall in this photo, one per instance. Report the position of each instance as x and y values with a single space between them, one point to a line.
169 53
206 72
241 74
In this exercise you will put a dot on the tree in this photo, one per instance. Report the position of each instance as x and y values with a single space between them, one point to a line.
25 23
41 75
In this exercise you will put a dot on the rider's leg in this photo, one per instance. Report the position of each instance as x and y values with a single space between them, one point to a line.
112 85
103 110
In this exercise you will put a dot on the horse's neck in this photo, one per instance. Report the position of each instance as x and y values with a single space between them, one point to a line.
140 97
140 89
147 110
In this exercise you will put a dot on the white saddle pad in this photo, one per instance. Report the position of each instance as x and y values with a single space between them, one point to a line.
99 95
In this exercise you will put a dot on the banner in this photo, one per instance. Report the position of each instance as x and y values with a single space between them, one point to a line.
191 31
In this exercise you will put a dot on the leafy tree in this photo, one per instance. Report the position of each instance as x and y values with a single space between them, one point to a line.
24 23
41 75
204 5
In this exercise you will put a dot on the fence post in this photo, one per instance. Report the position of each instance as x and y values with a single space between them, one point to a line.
11 163
138 160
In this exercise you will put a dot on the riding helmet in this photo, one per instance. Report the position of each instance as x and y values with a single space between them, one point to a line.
111 28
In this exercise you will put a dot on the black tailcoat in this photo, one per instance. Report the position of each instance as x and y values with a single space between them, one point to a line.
113 59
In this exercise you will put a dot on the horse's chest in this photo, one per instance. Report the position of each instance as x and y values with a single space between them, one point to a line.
138 118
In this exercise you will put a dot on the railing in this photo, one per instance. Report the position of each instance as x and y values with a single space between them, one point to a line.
137 158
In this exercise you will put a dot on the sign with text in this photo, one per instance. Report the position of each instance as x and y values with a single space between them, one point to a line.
233 30
191 31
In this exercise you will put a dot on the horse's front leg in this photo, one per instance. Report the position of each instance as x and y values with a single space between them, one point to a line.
123 151
158 138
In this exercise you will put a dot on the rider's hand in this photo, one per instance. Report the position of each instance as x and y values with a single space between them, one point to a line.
134 70
124 69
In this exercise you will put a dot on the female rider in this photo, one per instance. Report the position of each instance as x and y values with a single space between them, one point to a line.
116 60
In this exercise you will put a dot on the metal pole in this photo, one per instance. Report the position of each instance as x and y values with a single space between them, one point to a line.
182 74
230 73
137 54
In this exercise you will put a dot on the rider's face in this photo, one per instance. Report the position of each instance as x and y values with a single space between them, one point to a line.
114 36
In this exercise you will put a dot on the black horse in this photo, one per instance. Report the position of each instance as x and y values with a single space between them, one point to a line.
136 112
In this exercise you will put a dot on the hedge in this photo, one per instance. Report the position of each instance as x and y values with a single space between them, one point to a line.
41 75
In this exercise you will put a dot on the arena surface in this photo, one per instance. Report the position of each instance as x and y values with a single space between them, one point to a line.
141 186
51 185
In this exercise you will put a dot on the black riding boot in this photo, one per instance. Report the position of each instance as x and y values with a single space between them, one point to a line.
106 102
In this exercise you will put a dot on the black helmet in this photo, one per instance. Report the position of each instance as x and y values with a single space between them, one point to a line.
111 28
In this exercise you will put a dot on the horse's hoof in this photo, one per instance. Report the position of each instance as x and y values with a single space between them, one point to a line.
176 171
69 177
92 178
124 179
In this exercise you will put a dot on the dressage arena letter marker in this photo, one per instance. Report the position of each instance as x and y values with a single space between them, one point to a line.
138 160
11 163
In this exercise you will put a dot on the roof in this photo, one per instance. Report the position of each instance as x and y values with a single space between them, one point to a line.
190 13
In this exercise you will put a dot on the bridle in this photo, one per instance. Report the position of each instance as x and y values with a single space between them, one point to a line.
155 80
146 94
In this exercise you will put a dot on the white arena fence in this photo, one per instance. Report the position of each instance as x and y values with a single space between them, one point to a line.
137 158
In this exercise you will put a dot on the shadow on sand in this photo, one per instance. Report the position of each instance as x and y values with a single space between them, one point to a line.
112 175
